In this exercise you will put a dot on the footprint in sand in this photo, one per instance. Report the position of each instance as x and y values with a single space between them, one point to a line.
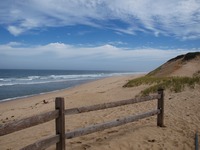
99 140
85 146
6 119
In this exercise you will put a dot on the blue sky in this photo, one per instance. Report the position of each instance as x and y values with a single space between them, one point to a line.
127 35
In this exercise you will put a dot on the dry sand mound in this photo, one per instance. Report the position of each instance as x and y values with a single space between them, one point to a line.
182 65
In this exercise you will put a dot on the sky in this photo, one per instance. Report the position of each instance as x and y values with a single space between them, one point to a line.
127 35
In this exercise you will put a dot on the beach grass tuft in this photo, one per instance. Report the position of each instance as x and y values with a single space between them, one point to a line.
174 84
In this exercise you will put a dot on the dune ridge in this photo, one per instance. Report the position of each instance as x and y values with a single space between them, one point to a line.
182 65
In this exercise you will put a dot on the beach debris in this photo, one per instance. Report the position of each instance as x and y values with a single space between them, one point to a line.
153 140
79 142
45 102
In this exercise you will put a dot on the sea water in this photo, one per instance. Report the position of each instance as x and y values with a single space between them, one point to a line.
21 83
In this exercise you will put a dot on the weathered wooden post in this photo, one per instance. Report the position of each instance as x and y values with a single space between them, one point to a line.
160 116
60 123
196 141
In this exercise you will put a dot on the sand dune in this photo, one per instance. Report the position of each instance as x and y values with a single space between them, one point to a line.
182 118
183 65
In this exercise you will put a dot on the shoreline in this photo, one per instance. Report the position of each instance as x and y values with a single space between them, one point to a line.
28 96
50 96
44 94
32 95
85 82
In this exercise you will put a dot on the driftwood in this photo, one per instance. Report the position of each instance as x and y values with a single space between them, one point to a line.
42 144
102 126
109 105
28 122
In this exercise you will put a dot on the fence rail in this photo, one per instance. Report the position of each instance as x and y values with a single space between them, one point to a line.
59 115
106 125
43 144
28 122
110 105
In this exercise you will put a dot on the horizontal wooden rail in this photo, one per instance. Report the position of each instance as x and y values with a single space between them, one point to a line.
28 122
110 105
43 144
102 126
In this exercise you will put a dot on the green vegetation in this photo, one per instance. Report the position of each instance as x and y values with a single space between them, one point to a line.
174 84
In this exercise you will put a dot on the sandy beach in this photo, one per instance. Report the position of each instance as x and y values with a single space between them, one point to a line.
181 118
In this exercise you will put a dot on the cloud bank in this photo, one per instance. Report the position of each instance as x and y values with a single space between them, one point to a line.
105 57
180 18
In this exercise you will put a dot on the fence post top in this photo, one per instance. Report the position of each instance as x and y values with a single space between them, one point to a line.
59 98
160 89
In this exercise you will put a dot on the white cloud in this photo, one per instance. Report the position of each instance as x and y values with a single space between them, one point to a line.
15 30
180 18
106 51
65 56
13 44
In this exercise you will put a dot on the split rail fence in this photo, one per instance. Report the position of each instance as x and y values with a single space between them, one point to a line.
59 115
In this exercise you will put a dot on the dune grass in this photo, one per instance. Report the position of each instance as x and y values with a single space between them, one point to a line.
174 84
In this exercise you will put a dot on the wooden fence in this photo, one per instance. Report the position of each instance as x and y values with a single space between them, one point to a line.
59 115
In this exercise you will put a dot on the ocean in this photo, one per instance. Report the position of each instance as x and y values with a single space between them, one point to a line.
22 83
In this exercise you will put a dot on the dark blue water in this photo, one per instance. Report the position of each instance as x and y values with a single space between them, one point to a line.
19 83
